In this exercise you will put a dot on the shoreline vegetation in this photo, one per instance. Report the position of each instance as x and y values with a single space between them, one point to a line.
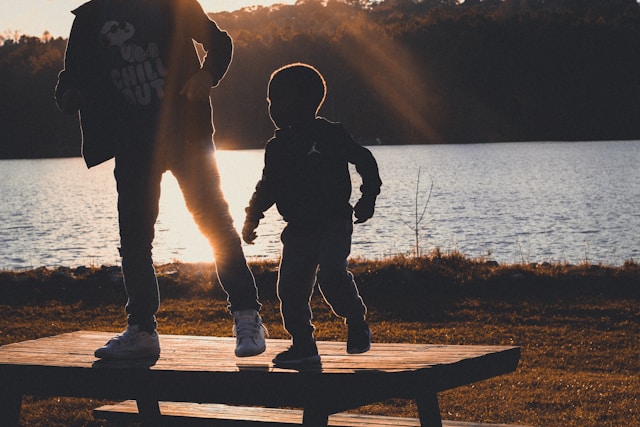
578 326
400 72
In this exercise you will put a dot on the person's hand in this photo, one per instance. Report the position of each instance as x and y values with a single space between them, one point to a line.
363 210
71 101
198 86
249 231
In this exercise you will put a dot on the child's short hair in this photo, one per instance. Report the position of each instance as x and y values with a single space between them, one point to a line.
298 80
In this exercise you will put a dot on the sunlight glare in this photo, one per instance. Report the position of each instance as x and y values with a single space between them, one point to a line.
177 236
390 70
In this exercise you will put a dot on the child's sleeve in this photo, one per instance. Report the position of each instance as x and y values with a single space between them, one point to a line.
264 195
367 168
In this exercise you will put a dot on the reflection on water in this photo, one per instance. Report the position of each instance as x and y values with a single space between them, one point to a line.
177 235
524 202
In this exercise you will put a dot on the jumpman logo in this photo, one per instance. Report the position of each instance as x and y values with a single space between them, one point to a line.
313 150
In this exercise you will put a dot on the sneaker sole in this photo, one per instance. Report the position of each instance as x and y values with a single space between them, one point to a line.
358 350
251 353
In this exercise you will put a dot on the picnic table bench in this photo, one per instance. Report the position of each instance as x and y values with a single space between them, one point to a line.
203 370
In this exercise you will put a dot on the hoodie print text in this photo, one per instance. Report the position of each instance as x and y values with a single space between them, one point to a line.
140 76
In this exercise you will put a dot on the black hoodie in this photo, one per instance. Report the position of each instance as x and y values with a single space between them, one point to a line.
306 174
129 59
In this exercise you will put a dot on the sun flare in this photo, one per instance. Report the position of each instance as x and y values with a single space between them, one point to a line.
178 237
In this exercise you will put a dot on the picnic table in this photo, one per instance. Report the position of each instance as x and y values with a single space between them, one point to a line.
203 370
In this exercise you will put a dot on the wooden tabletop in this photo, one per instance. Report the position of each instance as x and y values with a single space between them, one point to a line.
204 369
200 353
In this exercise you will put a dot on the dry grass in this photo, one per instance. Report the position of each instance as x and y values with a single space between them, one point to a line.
579 328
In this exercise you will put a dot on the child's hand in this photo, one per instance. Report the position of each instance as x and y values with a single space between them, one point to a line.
198 86
249 231
363 210
71 101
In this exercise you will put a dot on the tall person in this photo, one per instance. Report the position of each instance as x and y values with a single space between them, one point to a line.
132 72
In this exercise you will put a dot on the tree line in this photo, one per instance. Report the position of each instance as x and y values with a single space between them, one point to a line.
398 72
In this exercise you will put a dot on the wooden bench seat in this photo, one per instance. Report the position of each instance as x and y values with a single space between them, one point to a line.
207 414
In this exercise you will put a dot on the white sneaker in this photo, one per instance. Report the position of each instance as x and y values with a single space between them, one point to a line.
249 332
131 344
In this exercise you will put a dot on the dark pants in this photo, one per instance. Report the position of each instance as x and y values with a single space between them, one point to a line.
138 176
322 254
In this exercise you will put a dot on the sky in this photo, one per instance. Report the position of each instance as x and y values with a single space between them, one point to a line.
33 17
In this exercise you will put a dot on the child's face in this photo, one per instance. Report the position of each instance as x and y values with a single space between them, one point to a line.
287 111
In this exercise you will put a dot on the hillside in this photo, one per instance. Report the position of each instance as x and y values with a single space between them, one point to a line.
399 72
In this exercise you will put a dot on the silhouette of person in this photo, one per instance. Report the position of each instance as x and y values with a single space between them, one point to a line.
306 175
132 72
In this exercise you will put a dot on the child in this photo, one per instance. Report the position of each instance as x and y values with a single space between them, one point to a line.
132 72
306 175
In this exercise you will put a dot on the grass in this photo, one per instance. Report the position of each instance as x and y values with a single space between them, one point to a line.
579 328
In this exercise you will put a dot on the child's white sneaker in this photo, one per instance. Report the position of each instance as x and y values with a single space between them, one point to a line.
131 344
249 332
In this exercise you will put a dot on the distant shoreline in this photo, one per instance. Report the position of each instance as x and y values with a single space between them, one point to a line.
231 147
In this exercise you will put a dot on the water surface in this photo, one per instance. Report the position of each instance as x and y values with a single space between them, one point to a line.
509 202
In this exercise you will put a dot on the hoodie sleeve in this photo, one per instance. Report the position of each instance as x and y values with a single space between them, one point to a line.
367 168
216 42
80 56
264 195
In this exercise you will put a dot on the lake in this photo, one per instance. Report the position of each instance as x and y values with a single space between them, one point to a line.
508 202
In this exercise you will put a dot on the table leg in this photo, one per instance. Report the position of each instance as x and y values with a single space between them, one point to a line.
10 403
149 411
429 410
311 418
